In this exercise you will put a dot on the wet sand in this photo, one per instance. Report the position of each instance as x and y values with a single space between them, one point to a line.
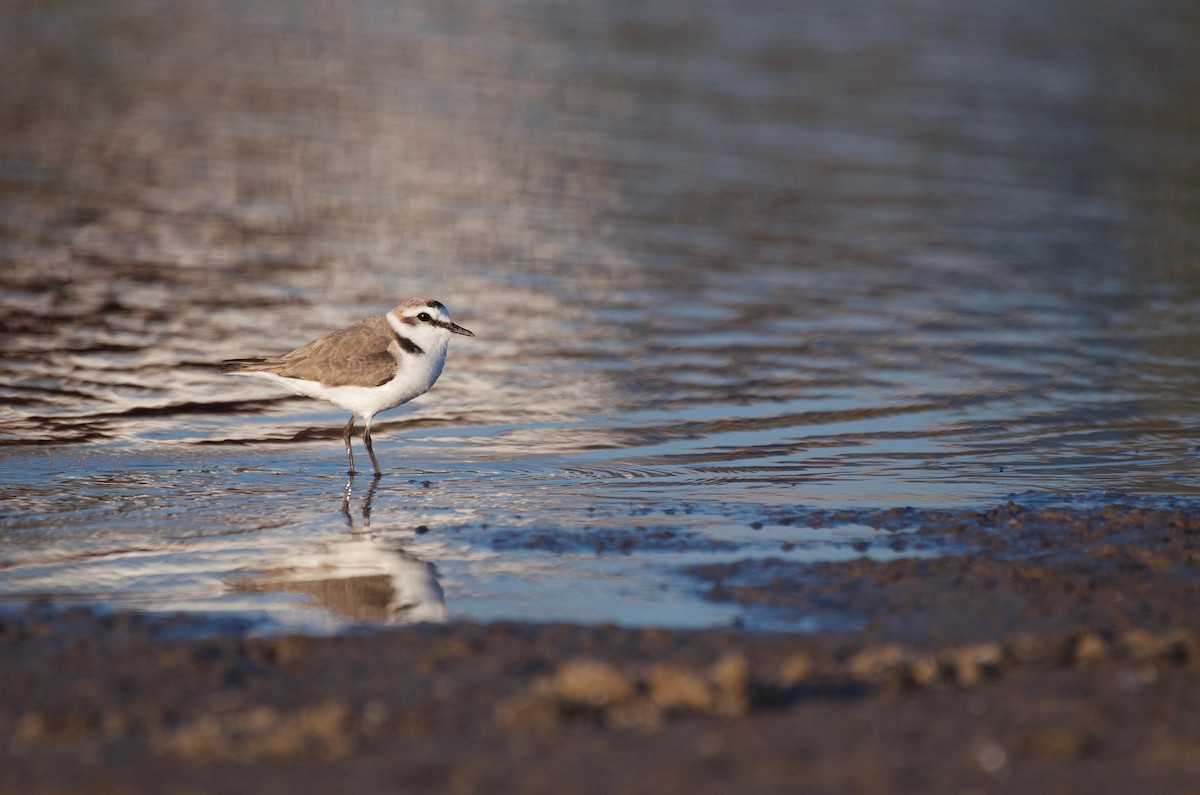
1055 651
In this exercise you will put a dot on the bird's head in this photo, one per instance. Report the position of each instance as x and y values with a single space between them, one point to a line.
426 323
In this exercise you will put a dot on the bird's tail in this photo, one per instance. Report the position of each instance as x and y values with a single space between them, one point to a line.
256 364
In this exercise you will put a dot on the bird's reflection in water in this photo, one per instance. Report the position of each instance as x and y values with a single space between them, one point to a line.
361 578
347 493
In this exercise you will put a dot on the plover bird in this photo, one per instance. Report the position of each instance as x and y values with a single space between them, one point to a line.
375 365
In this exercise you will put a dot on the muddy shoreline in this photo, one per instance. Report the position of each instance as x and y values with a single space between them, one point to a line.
995 669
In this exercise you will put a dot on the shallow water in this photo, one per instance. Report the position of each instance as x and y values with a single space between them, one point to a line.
721 259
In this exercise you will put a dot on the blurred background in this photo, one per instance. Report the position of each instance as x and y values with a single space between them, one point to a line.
721 257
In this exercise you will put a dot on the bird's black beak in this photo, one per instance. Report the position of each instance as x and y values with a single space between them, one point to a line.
457 329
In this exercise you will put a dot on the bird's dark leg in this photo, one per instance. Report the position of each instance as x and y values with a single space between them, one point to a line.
370 450
346 503
350 453
366 503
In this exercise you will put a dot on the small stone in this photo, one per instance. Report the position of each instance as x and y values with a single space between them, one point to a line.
879 662
1088 648
671 687
973 663
992 757
731 678
924 670
591 683
796 668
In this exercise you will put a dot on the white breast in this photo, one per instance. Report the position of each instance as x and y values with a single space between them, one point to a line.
415 375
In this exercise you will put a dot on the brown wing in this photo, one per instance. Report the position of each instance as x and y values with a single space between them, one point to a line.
356 355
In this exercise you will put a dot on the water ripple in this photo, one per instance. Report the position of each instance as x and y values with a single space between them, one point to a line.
715 270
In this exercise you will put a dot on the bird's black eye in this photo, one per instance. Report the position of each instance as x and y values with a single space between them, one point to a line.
424 317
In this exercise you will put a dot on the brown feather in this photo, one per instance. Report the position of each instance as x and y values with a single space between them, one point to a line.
357 355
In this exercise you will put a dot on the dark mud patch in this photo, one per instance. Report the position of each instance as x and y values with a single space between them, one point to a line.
111 703
1005 570
609 541
1074 667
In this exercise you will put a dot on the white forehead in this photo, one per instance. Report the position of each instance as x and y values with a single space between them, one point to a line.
436 311
412 310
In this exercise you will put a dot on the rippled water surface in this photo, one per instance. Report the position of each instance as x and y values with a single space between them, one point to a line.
722 260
